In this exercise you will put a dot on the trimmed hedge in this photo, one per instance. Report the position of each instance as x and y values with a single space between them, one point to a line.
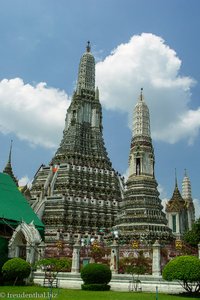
16 270
96 273
95 287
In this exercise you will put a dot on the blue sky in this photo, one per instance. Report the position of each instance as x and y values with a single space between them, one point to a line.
152 44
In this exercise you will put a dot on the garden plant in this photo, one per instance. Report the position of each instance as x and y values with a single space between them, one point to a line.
15 270
55 264
185 269
96 277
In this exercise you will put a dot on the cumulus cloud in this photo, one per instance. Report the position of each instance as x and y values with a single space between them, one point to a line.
163 196
126 174
186 125
162 191
197 208
34 113
24 181
146 61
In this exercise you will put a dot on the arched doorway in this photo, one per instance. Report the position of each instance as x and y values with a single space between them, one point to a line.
24 242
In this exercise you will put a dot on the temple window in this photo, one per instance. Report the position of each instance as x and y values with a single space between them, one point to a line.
137 166
174 223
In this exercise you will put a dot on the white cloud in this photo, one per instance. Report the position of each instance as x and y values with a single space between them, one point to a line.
162 191
163 196
186 125
146 61
34 113
24 181
197 208
164 203
125 175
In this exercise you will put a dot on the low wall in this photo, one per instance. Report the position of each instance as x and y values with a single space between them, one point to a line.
119 282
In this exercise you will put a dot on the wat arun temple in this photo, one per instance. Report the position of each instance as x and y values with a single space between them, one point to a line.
79 193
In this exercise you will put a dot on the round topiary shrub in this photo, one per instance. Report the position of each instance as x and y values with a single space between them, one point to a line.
16 270
96 277
185 269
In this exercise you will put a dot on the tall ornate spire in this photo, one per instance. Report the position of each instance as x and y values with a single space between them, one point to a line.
141 161
84 117
80 188
141 211
186 188
141 119
8 168
86 73
187 196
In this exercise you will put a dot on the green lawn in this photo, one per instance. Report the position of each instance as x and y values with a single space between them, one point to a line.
36 292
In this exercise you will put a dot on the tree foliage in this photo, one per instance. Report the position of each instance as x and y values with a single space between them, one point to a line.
97 251
192 237
185 269
55 264
135 265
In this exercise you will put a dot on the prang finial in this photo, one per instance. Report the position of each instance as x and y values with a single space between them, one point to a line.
185 172
8 168
88 46
10 153
176 184
141 94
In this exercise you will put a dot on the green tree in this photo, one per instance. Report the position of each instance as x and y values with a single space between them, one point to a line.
135 265
192 237
185 269
55 264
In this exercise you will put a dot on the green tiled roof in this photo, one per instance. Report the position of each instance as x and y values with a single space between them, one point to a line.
14 208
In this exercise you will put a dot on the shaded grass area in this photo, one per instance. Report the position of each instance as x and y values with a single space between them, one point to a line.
37 292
